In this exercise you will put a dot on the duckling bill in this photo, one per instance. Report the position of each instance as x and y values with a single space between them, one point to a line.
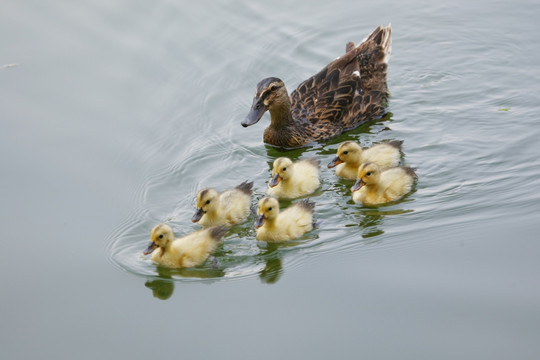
348 92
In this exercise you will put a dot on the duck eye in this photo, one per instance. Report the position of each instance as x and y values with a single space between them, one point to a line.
160 236
368 173
270 209
207 202
273 88
284 169
345 152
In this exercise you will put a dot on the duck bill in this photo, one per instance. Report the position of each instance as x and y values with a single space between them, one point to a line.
335 162
255 113
275 180
260 221
198 215
357 185
151 247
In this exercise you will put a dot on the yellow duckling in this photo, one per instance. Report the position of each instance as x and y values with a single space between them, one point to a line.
230 207
294 179
188 251
291 223
375 186
350 155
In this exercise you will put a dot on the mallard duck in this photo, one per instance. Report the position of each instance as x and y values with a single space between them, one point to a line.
230 207
375 186
291 223
350 155
343 95
294 179
188 251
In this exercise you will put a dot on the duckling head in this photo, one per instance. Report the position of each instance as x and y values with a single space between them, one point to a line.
348 152
281 170
268 210
206 201
271 93
160 237
368 173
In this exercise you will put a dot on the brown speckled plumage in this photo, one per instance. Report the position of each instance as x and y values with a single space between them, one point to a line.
345 94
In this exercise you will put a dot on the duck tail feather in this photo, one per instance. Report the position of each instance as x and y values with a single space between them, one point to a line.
396 143
380 39
409 170
386 43
316 162
307 204
246 187
218 232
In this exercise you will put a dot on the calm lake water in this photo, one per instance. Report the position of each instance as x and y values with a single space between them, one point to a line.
113 116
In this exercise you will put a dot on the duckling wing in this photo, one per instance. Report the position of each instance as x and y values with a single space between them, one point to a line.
307 179
398 182
235 205
300 218
194 249
384 155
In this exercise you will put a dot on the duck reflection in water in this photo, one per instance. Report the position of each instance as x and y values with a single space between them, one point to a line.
162 285
371 221
274 266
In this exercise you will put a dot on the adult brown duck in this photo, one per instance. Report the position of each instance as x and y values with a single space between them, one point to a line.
348 92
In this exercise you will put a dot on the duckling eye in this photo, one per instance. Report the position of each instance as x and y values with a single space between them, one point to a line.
160 236
270 209
368 173
345 152
207 202
284 169
273 88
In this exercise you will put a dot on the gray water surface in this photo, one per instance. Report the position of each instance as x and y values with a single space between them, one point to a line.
115 115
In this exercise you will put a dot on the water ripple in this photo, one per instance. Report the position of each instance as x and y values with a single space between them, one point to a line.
470 168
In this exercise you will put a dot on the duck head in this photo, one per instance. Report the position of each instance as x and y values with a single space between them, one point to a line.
206 201
271 94
161 237
368 173
268 210
348 152
281 170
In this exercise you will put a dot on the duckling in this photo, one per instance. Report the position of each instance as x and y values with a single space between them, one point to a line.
375 186
231 207
350 155
345 94
291 223
188 251
294 179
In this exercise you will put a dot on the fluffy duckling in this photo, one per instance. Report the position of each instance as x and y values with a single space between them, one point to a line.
230 207
188 251
375 186
350 155
291 223
294 179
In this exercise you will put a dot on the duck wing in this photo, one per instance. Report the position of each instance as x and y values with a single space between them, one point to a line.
347 92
